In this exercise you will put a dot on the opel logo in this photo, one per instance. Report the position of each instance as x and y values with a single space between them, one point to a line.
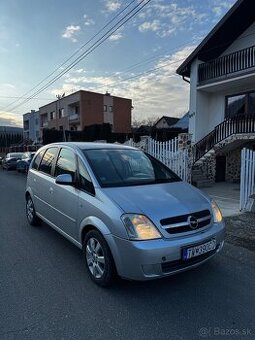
193 222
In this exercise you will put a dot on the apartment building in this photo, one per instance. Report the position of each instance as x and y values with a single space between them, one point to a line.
31 126
84 108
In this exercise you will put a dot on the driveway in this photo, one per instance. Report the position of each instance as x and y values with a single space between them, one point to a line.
227 196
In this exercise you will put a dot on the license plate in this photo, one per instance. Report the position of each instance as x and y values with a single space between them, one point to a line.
201 249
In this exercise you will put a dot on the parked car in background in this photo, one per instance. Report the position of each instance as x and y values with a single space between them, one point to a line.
10 161
1 160
23 164
129 213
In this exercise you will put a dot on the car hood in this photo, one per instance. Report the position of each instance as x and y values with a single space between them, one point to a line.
158 201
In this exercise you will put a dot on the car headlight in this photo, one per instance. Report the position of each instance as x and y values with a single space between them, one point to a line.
217 215
139 227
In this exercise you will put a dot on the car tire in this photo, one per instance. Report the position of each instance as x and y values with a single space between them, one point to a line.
98 259
32 218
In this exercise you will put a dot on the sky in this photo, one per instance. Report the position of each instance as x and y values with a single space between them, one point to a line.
138 61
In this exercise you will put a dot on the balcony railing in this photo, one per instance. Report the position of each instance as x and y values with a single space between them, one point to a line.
236 125
73 118
235 62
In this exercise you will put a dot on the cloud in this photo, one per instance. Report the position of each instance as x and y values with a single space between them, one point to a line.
10 119
7 86
150 26
161 92
219 8
170 18
112 5
70 32
88 21
116 36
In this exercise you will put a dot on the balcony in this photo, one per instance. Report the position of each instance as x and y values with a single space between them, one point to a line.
74 118
231 65
44 124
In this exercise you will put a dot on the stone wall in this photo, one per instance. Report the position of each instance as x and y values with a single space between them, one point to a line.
233 166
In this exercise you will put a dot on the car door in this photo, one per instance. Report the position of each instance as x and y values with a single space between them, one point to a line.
65 197
41 180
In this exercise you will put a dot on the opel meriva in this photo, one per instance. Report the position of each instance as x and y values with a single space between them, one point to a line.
128 212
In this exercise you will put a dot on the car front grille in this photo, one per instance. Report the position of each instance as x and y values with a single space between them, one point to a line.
180 224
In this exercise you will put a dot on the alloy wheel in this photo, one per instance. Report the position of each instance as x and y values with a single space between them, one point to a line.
95 258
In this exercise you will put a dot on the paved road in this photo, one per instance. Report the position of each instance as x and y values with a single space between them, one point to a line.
45 292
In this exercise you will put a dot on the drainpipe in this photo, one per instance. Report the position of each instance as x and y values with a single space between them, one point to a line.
187 81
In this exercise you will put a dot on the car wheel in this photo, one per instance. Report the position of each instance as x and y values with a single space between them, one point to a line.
98 259
30 212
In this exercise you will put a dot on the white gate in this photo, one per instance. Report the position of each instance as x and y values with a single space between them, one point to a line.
178 160
247 187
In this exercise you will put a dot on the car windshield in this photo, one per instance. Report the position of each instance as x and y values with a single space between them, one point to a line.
119 167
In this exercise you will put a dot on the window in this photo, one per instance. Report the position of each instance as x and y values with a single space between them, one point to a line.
105 108
36 121
85 182
52 115
37 160
62 113
242 104
66 163
48 160
110 108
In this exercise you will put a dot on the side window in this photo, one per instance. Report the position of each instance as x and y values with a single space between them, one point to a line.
37 160
48 160
85 182
66 163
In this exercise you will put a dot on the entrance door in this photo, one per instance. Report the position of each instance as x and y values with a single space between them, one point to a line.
220 169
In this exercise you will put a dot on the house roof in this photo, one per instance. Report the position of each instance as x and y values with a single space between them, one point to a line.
170 120
183 122
234 23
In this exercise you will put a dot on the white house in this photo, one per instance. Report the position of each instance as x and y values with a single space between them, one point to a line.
31 126
221 72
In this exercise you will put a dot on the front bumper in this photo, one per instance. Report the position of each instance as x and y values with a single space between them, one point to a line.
144 260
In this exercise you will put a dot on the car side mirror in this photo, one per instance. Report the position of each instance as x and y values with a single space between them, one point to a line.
65 179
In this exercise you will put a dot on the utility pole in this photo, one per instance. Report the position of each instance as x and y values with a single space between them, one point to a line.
59 97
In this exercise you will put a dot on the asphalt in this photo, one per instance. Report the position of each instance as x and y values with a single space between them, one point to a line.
45 293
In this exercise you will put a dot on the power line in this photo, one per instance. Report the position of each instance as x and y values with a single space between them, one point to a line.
75 53
95 45
22 97
146 72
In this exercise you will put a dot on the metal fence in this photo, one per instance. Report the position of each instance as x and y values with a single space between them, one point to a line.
247 187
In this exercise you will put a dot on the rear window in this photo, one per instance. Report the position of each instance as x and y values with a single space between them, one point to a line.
37 160
48 160
14 155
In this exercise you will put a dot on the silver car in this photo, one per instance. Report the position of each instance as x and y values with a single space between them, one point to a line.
129 213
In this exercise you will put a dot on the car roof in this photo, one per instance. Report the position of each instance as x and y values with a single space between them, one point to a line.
91 145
